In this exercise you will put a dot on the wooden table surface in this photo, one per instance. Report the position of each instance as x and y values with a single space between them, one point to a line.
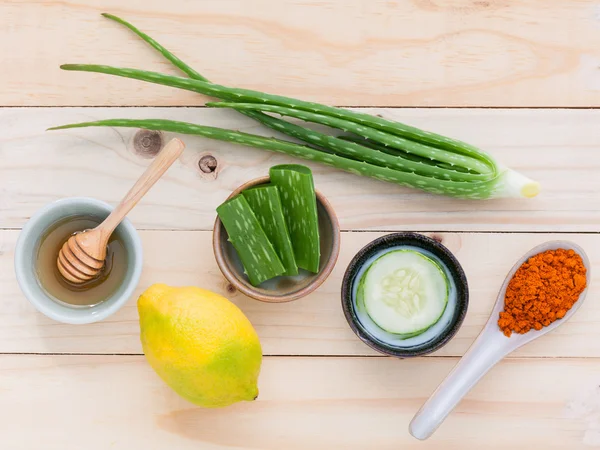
520 79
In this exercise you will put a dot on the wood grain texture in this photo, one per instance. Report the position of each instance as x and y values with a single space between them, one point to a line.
556 147
314 325
329 391
356 52
101 402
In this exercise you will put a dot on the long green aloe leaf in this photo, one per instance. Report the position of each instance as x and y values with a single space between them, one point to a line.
189 71
400 129
504 184
501 182
324 141
400 153
273 123
384 138
250 96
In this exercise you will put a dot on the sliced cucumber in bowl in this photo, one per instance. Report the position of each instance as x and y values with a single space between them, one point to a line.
432 324
404 292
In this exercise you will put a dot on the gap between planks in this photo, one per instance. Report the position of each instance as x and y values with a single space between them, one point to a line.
371 230
372 356
396 107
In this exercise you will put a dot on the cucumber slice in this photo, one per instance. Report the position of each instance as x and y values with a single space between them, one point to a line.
404 292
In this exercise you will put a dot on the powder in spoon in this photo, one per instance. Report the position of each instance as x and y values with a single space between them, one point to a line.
542 290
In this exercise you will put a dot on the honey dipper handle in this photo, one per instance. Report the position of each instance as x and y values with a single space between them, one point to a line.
488 349
165 158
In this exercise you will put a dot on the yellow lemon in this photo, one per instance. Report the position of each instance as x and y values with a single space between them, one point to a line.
200 344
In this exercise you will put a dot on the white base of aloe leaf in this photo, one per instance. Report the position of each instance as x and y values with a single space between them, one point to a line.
514 184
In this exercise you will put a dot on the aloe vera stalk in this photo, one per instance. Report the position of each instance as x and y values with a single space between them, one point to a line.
489 180
504 184
397 128
256 252
249 96
265 201
325 142
166 53
299 201
392 158
298 132
473 190
367 132
400 153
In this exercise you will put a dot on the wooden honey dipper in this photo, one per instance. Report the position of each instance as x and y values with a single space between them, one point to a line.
81 258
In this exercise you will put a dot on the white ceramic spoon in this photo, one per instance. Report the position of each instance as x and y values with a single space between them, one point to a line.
488 349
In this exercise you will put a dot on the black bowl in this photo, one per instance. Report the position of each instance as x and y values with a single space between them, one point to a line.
415 240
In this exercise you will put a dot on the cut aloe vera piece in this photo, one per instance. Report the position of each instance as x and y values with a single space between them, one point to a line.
256 252
404 292
266 205
297 189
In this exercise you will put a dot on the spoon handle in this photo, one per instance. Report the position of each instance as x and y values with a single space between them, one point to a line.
165 158
486 351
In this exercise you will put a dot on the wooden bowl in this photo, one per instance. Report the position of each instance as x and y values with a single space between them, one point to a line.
284 288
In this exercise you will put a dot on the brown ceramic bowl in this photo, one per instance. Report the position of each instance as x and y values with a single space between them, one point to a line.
284 288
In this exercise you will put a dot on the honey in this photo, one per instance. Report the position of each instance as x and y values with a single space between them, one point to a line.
86 294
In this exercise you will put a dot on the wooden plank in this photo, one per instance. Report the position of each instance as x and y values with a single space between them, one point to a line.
314 325
357 52
556 147
100 402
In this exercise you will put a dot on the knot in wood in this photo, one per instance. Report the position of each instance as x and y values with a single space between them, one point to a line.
147 143
208 164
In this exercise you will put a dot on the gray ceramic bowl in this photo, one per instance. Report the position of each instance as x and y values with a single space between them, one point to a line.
280 289
434 338
26 251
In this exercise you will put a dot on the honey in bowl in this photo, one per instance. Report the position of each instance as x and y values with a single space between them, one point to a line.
86 294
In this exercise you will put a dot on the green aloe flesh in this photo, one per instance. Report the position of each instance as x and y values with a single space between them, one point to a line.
414 157
265 201
295 183
256 252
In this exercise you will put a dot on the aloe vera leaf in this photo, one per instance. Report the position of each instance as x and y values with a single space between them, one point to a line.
507 183
296 185
393 127
433 154
250 96
256 252
189 71
402 154
297 131
265 201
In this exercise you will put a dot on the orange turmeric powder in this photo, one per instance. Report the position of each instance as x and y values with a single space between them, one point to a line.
542 290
